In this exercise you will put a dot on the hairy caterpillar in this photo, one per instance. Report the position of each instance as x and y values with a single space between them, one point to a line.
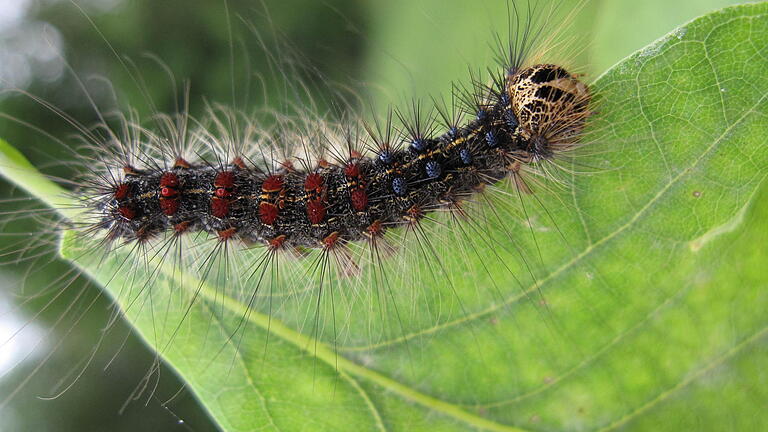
389 176
499 232
530 116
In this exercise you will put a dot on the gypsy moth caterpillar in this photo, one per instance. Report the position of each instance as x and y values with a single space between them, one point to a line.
424 265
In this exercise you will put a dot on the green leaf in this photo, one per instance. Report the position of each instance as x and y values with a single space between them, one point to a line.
15 167
623 26
655 301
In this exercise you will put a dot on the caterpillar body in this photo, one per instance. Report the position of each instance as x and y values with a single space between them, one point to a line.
535 113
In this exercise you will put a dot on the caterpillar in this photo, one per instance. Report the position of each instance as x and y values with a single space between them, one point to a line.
332 214
531 116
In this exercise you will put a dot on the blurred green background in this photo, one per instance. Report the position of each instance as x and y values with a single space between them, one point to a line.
388 51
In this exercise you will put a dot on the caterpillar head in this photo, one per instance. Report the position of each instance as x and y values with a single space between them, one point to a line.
551 106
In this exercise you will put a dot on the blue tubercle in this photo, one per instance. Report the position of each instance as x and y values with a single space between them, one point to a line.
433 169
399 187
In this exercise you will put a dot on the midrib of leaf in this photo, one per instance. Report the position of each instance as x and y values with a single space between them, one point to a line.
323 352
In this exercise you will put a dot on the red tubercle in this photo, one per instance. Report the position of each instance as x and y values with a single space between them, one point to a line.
169 202
182 227
224 182
352 170
354 154
331 240
181 163
224 179
359 199
127 212
169 184
414 214
169 180
121 191
322 163
273 183
375 229
277 242
130 170
315 211
268 213
226 234
219 207
169 206
313 182
143 234
239 162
